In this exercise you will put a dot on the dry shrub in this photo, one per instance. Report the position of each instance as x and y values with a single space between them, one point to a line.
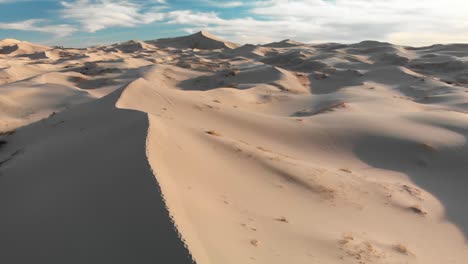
346 239
254 242
428 147
402 249
417 209
282 219
7 133
213 133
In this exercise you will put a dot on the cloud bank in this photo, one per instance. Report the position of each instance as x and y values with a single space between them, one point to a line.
399 21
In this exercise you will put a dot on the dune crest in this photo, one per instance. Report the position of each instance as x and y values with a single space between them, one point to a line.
287 43
13 47
200 40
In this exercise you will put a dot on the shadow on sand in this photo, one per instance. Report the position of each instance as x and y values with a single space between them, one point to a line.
441 172
88 195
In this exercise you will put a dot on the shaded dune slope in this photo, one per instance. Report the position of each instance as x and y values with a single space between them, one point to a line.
96 202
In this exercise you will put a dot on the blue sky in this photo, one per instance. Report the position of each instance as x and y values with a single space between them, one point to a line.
90 22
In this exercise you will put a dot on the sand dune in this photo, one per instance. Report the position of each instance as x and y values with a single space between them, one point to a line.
200 40
194 147
84 207
12 47
248 51
287 43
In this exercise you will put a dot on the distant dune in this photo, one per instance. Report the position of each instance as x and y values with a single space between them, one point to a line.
16 47
196 149
201 40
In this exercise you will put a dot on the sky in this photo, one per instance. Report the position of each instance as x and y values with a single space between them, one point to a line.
82 23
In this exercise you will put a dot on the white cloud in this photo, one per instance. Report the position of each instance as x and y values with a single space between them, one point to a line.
194 18
371 18
40 25
241 30
94 15
398 21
